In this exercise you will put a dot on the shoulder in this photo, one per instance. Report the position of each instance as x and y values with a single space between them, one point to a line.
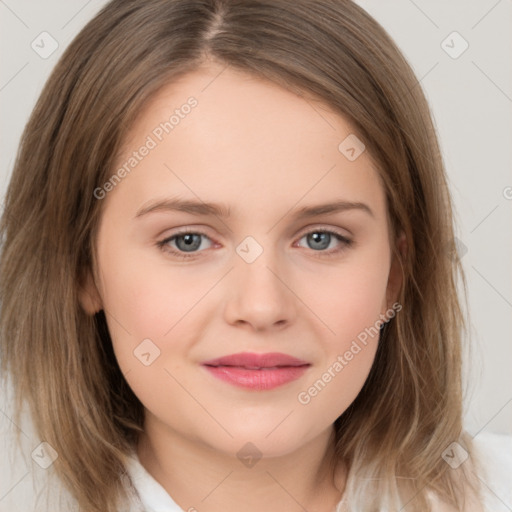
493 453
489 463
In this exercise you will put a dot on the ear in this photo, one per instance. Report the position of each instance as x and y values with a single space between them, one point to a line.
395 278
88 295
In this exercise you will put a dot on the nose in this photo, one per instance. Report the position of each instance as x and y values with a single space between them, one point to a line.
259 297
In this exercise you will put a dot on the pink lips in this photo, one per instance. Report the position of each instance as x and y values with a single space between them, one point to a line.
257 371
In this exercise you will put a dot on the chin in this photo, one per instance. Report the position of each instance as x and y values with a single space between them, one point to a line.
259 441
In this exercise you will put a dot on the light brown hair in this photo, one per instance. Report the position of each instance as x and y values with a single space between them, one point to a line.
61 359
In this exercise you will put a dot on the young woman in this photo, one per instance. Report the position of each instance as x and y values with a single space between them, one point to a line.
228 278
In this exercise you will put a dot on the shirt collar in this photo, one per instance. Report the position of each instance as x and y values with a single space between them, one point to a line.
153 496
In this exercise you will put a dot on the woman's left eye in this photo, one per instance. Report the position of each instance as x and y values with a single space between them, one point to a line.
188 243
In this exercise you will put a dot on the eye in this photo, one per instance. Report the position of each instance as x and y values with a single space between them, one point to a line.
321 239
188 244
183 242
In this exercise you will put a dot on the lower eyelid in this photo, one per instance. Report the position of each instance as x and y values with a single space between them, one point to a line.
177 235
345 242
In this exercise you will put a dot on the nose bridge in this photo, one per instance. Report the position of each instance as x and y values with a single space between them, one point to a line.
259 297
256 269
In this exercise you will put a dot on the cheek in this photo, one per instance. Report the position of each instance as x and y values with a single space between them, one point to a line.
349 297
145 301
155 314
351 309
335 386
146 298
348 355
152 319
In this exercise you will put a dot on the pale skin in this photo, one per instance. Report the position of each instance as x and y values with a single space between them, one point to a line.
265 153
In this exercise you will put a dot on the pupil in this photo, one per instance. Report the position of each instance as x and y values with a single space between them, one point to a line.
322 239
189 242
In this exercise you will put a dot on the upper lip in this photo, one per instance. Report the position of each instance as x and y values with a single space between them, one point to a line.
252 360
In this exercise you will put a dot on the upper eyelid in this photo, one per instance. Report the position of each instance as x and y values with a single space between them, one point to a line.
302 233
345 241
307 229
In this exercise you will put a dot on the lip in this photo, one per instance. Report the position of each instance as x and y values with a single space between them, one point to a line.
257 371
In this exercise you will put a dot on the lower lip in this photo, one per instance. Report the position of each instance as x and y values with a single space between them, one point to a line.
257 379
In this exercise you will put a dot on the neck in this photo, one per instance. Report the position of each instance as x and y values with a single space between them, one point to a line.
197 476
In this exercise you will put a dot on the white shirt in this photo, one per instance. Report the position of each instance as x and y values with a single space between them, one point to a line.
494 450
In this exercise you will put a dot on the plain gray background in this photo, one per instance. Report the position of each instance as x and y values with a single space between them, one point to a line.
470 93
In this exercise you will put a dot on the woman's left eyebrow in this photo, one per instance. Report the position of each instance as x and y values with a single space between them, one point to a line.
334 207
194 207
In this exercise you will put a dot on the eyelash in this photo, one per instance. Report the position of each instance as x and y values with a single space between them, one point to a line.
163 244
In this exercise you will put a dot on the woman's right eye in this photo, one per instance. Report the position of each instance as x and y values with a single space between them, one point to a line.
184 244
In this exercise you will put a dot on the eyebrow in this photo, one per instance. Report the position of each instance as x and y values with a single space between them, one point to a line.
220 210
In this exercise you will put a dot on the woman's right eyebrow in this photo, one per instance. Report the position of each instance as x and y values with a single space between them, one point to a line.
187 206
194 207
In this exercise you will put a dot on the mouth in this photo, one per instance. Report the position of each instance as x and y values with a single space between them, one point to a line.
257 371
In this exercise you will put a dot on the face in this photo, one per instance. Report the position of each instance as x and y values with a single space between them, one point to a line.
214 244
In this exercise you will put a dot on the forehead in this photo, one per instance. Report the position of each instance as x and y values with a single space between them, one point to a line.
244 137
